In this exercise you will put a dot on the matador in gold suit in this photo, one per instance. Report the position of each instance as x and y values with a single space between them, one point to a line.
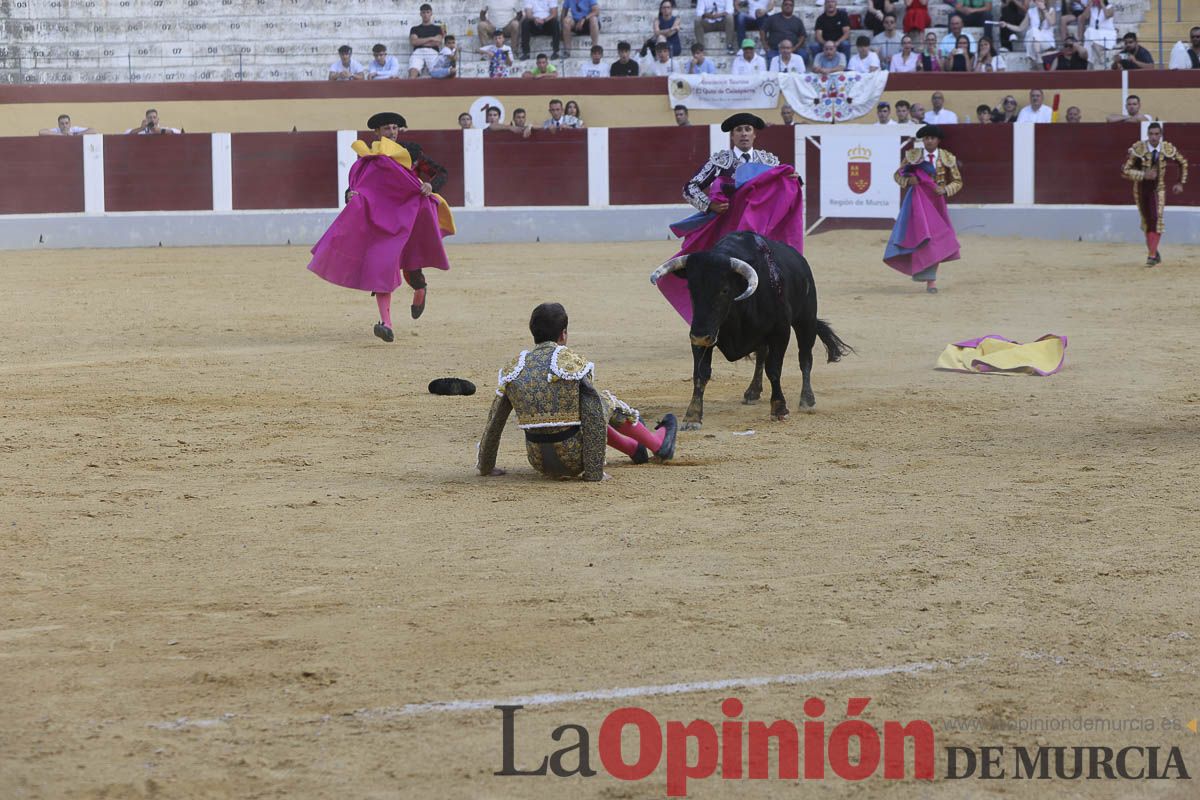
1146 166
567 422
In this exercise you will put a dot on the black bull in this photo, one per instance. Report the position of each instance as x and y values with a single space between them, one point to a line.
748 294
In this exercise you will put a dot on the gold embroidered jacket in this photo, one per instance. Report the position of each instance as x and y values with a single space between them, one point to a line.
1138 160
946 175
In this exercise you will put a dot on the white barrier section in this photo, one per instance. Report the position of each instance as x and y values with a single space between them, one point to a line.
345 158
222 172
473 186
597 158
93 173
1023 163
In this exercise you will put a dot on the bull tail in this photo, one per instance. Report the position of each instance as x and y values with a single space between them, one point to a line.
835 348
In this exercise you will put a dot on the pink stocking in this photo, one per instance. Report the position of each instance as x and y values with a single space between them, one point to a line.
643 435
384 301
623 443
1152 240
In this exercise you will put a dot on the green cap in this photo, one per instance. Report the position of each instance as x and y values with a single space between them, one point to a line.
747 42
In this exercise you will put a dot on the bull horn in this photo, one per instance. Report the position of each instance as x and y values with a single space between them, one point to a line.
674 265
747 272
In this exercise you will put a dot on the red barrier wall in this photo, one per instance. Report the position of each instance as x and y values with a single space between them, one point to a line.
1074 168
284 170
41 175
547 169
158 173
645 166
985 157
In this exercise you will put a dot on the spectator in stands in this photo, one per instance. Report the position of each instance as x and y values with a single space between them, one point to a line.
988 59
787 114
572 116
382 66
580 17
1071 11
916 17
883 114
1035 111
519 120
540 19
918 114
784 25
716 15
787 60
939 114
752 18
1037 27
65 128
498 55
558 119
906 60
903 114
1070 56
446 65
928 59
830 60
624 66
865 60
665 28
888 42
150 125
748 62
465 120
487 31
1133 55
983 114
959 59
877 12
1012 14
1186 55
593 68
1007 111
661 64
346 68
973 13
1099 32
1133 112
426 42
699 63
950 41
542 68
1074 114
681 116
492 115
833 25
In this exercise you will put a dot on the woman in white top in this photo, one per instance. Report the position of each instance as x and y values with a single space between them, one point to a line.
906 59
1099 32
988 60
1038 28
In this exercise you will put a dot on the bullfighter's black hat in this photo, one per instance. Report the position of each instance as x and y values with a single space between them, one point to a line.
451 386
377 121
743 119
929 130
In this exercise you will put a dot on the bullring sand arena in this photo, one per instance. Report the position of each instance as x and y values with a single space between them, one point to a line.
245 554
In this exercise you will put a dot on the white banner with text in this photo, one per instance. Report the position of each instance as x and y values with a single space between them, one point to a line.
760 90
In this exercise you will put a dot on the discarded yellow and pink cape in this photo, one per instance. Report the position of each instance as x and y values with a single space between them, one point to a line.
993 353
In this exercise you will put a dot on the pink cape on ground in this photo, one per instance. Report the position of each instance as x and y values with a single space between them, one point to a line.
388 228
768 204
923 235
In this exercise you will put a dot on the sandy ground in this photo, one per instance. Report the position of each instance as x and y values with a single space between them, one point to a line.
238 539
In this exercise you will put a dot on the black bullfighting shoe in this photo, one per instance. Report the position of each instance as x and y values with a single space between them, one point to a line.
667 451
641 455
418 306
384 332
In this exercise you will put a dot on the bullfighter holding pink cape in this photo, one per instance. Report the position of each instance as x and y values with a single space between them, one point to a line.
923 236
392 225
738 189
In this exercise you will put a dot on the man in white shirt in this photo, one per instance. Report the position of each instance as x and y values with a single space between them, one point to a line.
939 114
748 62
541 19
787 60
346 68
65 128
661 64
382 66
716 15
883 113
593 68
887 43
864 60
950 40
1035 111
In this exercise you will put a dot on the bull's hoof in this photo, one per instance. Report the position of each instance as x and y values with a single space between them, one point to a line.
807 402
779 411
750 398
690 425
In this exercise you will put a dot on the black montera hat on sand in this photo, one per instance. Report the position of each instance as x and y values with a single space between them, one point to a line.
743 119
929 130
377 121
451 386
